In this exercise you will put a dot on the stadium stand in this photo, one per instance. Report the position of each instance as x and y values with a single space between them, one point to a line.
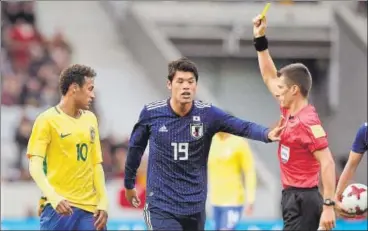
30 65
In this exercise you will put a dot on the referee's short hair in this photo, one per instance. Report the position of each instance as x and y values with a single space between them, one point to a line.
297 74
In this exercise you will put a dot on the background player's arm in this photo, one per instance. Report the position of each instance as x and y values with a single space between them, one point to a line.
225 122
137 145
359 147
249 170
265 62
36 152
99 175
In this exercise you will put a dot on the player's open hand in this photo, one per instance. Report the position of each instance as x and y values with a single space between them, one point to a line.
64 208
341 211
101 219
328 219
259 26
131 196
275 133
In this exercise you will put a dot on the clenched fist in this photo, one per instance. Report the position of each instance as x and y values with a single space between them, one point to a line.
259 26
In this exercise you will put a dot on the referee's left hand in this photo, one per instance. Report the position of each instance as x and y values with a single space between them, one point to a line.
328 218
101 219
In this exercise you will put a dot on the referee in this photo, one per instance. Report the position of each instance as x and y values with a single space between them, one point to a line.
303 149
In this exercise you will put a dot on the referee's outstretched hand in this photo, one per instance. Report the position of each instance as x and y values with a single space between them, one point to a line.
131 196
275 133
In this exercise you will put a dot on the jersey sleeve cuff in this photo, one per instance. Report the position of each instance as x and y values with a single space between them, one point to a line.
265 136
358 150
129 184
318 147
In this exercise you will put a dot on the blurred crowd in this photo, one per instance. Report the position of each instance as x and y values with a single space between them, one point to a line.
30 68
362 8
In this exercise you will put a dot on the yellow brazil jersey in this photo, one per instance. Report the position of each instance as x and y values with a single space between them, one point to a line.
70 148
231 172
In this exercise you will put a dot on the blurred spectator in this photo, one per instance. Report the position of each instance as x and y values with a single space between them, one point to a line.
119 155
287 2
14 11
30 66
362 8
22 135
108 163
31 93
11 89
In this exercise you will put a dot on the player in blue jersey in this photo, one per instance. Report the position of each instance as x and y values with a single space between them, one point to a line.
180 131
359 147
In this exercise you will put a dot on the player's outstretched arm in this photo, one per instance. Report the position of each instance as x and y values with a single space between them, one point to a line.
266 64
137 145
225 122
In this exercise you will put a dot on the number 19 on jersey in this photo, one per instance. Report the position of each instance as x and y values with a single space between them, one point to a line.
181 151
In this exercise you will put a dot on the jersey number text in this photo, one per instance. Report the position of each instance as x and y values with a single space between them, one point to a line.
181 149
82 150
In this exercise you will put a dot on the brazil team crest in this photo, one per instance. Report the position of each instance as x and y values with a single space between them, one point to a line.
92 133
196 130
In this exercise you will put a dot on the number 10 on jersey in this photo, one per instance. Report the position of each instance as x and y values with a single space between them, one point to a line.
180 151
82 150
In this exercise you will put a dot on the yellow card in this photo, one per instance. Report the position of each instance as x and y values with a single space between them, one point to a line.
318 131
265 9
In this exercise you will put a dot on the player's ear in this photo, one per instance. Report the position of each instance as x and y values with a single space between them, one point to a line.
294 89
168 84
74 87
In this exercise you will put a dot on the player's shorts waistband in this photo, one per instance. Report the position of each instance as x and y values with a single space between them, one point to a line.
290 189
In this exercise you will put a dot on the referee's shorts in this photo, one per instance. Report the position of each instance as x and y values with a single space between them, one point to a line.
301 208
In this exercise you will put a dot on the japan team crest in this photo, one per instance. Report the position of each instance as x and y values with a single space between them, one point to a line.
196 130
92 134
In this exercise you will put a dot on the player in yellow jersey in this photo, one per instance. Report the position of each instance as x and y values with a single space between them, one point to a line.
65 157
231 174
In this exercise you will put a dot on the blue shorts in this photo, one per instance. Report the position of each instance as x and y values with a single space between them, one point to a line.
227 217
79 220
158 219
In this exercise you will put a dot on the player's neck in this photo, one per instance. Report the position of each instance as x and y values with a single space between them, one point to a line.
180 109
298 105
68 107
223 137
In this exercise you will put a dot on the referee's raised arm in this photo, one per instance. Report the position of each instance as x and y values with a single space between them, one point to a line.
266 64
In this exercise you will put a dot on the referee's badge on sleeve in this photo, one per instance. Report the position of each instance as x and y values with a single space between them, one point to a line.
284 154
318 131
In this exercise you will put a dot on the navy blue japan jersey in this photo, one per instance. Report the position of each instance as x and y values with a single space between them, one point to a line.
178 152
360 144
